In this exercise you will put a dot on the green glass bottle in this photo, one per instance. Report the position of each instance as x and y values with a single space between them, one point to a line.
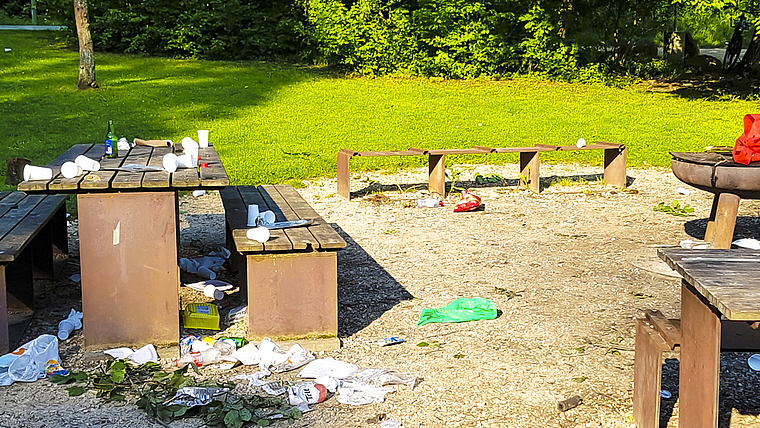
112 148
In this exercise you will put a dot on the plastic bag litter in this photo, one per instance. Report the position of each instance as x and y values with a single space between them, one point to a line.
358 394
141 356
236 314
269 356
380 377
460 310
306 393
192 396
254 379
327 367
468 202
29 362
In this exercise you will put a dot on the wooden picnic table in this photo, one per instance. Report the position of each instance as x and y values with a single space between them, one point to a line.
715 282
128 240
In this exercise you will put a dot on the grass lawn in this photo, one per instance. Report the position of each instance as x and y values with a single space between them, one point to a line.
274 124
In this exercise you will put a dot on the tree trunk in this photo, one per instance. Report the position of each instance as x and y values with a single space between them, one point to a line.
86 56
751 58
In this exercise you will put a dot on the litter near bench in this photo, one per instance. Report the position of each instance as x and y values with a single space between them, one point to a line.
752 244
289 224
580 143
387 341
71 323
30 361
569 403
460 310
429 203
236 314
211 288
191 396
259 234
306 393
468 202
197 193
207 266
141 356
327 367
754 362
269 356
664 393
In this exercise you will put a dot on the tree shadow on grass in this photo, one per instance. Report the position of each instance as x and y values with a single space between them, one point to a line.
365 290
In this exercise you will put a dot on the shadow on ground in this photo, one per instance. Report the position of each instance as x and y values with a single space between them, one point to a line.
365 289
746 227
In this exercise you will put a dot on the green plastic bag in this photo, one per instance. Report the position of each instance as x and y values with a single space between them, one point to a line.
460 310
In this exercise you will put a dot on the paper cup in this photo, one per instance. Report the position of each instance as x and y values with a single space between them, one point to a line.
267 217
206 273
754 362
86 163
580 143
32 172
213 292
253 215
260 234
203 138
187 161
171 162
65 328
71 170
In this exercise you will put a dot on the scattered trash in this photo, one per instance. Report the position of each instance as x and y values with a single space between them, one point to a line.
468 202
199 359
123 144
664 393
270 357
71 323
30 361
275 388
429 203
460 310
201 315
141 356
569 403
387 341
76 277
358 394
211 288
259 234
306 393
695 245
683 191
7 49
206 266
754 362
191 396
254 379
236 314
327 367
391 424
752 244
197 193
580 143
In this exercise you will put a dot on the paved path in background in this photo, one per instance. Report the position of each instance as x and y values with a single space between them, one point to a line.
32 27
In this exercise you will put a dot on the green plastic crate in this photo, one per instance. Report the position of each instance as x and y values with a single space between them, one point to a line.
201 315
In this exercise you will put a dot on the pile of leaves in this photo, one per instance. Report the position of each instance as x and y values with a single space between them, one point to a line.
675 209
154 389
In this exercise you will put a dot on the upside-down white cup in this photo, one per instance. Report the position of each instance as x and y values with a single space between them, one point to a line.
259 234
32 172
171 162
211 291
86 163
71 170
253 215
190 147
65 328
580 143
203 138
187 161
267 217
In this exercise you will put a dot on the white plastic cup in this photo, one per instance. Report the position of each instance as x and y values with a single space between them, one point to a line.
65 328
86 163
203 138
71 170
187 161
190 146
267 217
754 362
32 172
213 292
253 215
171 162
580 143
206 273
259 234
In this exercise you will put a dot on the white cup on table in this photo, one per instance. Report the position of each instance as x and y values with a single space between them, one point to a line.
187 161
267 217
32 172
253 215
258 234
71 170
170 162
203 138
86 163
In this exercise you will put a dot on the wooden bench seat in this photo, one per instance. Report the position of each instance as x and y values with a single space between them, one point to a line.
614 163
290 280
656 334
29 227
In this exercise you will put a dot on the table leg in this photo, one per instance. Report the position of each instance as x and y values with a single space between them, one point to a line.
700 362
614 166
722 221
437 174
344 175
130 276
4 339
529 169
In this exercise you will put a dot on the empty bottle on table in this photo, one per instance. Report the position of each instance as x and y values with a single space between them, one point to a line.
112 148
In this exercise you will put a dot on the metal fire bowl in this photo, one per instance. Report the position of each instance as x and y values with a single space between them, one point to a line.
717 173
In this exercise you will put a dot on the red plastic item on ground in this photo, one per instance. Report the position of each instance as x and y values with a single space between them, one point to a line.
469 202
747 148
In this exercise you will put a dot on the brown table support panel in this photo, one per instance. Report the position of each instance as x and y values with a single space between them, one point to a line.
130 277
647 375
615 159
4 339
700 361
292 295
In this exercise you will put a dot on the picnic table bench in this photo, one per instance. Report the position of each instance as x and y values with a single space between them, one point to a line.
29 227
614 163
290 280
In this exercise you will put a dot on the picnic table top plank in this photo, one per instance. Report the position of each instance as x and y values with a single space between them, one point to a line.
9 201
726 278
214 175
27 223
9 222
59 182
301 237
55 165
138 155
157 178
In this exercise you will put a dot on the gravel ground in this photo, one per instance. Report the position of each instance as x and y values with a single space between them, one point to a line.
569 270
